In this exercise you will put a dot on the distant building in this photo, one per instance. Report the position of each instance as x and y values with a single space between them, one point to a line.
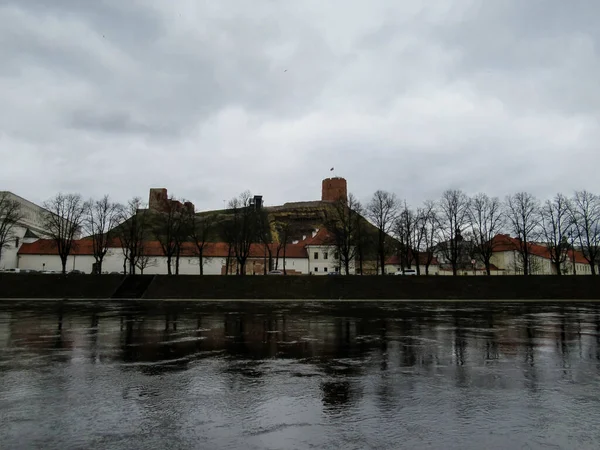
507 257
28 230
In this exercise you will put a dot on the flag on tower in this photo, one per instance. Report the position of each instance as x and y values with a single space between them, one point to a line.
331 169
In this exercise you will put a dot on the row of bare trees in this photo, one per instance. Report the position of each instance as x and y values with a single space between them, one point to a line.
457 228
462 228
132 226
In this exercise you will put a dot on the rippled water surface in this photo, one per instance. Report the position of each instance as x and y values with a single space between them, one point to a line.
299 375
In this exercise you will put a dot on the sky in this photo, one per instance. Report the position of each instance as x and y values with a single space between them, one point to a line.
212 98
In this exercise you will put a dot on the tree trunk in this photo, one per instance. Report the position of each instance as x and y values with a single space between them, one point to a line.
284 269
488 267
131 268
63 261
169 265
99 266
360 263
593 268
200 261
228 260
557 267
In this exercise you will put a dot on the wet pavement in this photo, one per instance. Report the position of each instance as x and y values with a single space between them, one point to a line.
293 375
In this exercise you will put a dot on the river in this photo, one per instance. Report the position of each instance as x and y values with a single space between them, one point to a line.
294 375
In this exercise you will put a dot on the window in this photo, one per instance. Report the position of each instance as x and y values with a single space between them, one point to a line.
336 256
316 256
336 269
325 255
316 269
324 269
17 243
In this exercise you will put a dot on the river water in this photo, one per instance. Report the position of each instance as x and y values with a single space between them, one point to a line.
296 375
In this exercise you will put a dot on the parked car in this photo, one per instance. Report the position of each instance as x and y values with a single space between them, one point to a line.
275 272
408 272
77 272
333 273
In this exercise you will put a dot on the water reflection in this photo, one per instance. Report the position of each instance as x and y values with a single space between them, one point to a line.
234 372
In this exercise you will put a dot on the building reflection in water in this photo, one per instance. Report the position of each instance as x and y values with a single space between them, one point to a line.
341 342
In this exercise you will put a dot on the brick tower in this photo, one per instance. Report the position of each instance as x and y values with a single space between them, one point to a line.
334 189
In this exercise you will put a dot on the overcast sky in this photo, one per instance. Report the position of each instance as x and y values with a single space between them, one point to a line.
210 98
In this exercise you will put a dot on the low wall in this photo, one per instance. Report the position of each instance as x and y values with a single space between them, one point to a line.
57 286
375 287
308 287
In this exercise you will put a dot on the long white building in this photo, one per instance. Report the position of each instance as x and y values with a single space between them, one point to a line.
311 255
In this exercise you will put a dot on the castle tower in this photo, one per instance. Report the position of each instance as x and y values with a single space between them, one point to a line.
158 199
334 189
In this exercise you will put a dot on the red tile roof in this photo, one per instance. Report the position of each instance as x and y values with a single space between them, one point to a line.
323 237
153 248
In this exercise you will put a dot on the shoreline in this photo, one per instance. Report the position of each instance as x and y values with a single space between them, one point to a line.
288 300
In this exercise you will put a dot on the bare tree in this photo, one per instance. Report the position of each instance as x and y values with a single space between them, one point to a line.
486 221
405 230
144 260
100 219
382 211
200 228
10 216
427 220
585 216
285 232
133 232
453 216
245 228
342 221
523 216
168 227
62 219
556 223
265 237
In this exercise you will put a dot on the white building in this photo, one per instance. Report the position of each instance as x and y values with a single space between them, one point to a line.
27 230
507 258
323 257
311 255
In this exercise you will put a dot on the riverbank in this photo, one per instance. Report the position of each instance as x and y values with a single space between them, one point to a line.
281 288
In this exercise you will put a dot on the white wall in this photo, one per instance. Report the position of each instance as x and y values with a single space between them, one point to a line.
394 268
8 258
113 262
322 266
31 219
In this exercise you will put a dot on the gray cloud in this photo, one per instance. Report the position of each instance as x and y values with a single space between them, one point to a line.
212 98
